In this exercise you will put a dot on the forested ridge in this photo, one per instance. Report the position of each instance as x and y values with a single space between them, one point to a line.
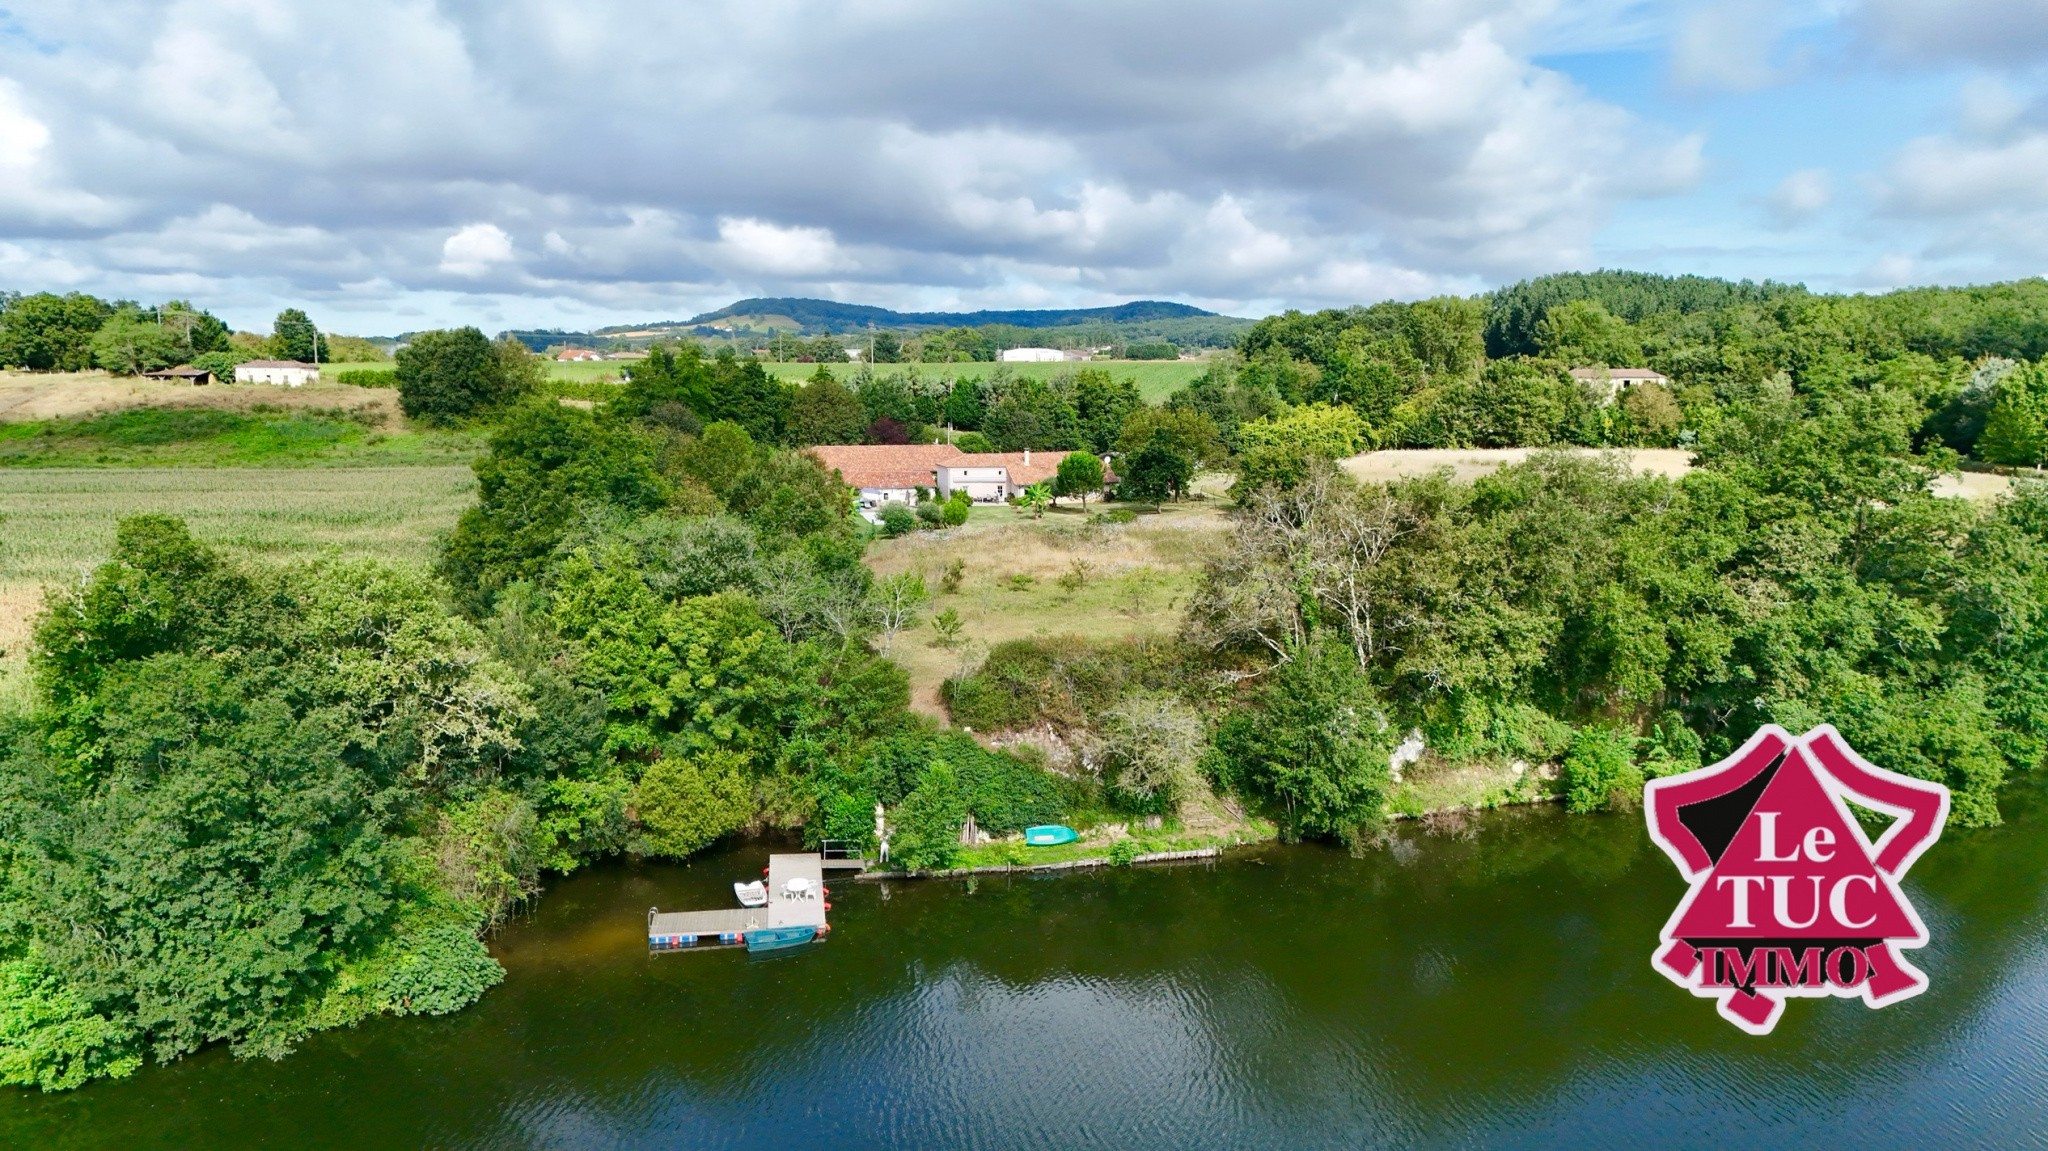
253 801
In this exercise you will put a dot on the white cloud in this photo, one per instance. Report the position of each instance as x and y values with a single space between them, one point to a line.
1800 196
1990 32
759 246
1141 147
476 250
1727 45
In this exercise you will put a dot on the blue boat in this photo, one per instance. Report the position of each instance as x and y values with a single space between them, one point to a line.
774 938
1048 835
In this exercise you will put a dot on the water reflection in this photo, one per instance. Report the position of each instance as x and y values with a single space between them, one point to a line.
1490 987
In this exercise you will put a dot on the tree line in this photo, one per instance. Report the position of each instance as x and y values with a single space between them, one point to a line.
76 332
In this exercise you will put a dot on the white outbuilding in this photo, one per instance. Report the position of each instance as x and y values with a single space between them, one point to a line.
285 373
1032 355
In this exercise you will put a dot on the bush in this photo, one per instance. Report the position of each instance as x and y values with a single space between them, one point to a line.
973 443
686 804
897 520
1600 770
1160 350
368 377
928 822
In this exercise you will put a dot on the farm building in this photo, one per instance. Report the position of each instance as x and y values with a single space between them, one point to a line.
893 474
887 473
1613 381
577 355
1032 356
186 374
288 373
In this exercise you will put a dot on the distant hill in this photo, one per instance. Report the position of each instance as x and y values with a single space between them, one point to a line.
812 316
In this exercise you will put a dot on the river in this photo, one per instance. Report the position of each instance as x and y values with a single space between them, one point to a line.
1487 985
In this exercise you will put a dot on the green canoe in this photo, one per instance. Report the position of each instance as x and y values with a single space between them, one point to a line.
771 938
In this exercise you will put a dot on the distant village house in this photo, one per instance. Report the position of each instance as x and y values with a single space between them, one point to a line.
577 355
1611 382
287 373
1031 356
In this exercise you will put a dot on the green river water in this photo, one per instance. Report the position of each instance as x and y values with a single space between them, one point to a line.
1489 986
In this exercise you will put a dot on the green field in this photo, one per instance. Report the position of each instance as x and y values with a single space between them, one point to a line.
56 525
209 437
1157 379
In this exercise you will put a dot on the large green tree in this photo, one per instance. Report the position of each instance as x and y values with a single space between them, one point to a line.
446 377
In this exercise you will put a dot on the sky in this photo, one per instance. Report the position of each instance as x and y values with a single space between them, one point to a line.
392 165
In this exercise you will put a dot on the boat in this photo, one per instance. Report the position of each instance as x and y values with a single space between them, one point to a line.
753 894
774 938
1048 835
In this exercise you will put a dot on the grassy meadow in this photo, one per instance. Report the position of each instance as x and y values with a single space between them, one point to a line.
1121 580
57 524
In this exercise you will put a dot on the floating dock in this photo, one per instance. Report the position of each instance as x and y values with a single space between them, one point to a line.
799 908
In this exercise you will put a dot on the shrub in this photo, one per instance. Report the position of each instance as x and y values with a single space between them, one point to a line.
897 520
1159 350
685 804
973 443
368 377
928 822
1600 770
1123 852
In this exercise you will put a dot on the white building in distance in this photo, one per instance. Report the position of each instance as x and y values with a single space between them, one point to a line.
287 373
1032 356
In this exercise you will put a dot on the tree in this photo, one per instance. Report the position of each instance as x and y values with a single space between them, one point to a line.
686 803
965 405
825 412
1584 334
1653 414
1185 431
449 376
1156 473
1313 743
294 337
128 345
1034 499
548 466
47 332
928 821
196 331
887 347
1079 473
2016 431
897 599
1600 770
1278 450
1153 742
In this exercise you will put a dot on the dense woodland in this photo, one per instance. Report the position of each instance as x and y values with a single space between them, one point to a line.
251 802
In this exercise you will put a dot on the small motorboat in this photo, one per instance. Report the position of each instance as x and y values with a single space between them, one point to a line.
753 894
773 938
1048 835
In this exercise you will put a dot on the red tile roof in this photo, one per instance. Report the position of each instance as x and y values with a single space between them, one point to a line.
887 465
1043 465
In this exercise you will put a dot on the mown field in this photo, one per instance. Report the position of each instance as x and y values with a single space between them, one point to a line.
57 524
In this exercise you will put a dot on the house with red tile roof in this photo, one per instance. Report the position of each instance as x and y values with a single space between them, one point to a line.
893 474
